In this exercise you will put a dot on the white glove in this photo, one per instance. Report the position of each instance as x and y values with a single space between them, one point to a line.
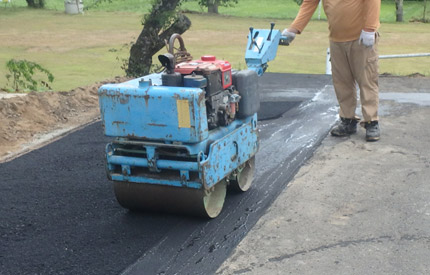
289 36
367 38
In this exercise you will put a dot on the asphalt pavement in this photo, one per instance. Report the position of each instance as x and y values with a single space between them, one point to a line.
59 214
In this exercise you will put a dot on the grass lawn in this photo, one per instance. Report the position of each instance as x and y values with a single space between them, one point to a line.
82 49
278 9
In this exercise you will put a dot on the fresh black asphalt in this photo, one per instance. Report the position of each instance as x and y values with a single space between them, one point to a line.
58 213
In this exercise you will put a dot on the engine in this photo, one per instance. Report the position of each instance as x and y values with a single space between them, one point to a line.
215 77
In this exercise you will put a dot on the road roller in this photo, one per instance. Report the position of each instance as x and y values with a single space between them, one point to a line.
183 137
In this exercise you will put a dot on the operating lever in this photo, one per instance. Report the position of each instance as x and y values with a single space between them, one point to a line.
251 30
272 25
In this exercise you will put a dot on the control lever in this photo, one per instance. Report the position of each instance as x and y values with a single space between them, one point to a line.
255 43
251 30
272 25
259 49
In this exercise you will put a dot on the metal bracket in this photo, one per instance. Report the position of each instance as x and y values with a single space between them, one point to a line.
151 156
185 176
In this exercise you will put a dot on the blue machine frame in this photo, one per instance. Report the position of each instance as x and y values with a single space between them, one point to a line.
161 133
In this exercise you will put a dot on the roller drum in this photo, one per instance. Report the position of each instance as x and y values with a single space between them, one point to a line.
180 200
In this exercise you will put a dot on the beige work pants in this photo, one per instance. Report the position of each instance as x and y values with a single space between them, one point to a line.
353 63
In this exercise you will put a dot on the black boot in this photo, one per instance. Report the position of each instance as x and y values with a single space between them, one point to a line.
346 127
372 130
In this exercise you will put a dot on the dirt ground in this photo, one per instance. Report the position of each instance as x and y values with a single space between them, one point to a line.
29 121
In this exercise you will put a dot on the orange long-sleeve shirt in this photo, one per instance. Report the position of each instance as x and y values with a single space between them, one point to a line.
346 18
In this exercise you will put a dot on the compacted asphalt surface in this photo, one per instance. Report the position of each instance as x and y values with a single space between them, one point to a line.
58 213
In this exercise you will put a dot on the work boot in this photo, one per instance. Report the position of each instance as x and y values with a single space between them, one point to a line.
372 130
346 127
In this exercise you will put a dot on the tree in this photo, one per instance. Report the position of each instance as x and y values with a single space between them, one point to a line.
37 4
399 10
162 21
213 5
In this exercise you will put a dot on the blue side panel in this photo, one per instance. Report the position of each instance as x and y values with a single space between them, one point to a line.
232 147
228 153
138 110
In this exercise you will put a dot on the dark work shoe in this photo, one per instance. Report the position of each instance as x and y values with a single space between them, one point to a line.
372 130
346 127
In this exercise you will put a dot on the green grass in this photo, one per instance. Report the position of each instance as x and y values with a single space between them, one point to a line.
278 9
287 9
76 49
83 49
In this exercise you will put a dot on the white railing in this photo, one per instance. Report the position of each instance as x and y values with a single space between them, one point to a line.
328 62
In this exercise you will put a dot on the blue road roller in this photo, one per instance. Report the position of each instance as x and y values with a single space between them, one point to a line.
183 136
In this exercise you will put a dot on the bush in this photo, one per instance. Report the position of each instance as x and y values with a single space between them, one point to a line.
21 73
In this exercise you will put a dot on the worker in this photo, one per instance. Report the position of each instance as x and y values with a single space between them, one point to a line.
353 26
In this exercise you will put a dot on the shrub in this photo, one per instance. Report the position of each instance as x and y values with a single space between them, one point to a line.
22 73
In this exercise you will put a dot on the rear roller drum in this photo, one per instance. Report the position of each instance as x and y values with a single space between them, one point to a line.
160 198
242 178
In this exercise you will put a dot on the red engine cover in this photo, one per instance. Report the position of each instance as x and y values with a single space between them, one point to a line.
206 65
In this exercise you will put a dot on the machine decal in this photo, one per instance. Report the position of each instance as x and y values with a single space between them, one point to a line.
183 109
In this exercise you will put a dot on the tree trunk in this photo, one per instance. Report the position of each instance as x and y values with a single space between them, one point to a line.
150 41
399 10
37 4
213 6
31 4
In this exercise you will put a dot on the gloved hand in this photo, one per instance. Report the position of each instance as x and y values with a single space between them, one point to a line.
367 38
289 35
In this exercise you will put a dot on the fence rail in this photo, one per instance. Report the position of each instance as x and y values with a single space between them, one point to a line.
408 55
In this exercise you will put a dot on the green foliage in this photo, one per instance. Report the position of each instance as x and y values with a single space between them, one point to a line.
21 73
160 18
223 3
299 2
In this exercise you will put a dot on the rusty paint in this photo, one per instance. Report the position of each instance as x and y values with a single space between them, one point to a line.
124 99
117 123
158 125
146 97
133 136
201 98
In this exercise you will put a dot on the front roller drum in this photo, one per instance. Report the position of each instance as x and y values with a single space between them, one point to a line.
181 200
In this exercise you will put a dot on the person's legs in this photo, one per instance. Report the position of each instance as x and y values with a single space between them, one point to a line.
364 62
343 79
344 86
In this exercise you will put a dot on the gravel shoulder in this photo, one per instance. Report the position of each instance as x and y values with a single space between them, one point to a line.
355 207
